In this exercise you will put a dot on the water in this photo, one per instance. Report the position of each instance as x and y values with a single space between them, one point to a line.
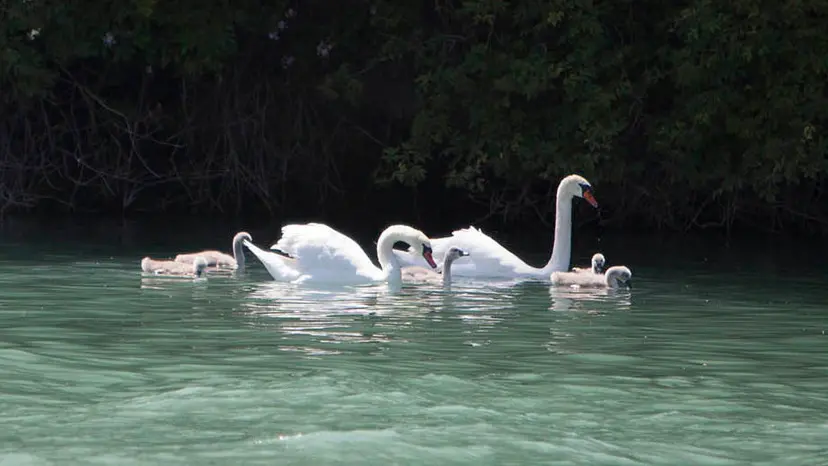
717 357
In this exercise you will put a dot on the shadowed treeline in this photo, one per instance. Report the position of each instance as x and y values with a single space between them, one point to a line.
682 115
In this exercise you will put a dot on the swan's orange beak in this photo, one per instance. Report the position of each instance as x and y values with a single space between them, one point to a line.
590 198
429 259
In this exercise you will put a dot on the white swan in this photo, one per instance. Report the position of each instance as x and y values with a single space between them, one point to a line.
487 258
598 263
415 273
318 253
159 267
218 258
615 277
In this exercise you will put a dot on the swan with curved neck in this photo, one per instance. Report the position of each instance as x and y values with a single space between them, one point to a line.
219 259
414 273
615 277
161 267
314 252
598 263
488 258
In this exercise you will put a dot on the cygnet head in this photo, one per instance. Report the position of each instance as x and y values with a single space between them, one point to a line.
619 276
453 254
577 186
241 236
598 263
238 250
199 265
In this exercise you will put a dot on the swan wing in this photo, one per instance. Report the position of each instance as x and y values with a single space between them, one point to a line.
324 254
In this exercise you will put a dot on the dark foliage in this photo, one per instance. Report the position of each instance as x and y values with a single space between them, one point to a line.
683 115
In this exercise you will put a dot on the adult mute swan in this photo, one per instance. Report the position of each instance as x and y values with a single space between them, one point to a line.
415 273
488 258
218 258
318 253
615 277
598 263
159 267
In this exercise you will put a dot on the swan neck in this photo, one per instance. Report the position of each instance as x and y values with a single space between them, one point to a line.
447 273
562 247
238 252
387 260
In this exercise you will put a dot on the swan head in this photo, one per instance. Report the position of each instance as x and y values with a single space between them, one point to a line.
453 254
417 241
598 263
199 265
619 276
577 186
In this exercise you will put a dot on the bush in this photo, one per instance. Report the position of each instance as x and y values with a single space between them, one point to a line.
681 115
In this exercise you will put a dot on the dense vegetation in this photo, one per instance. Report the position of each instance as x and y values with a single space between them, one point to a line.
681 114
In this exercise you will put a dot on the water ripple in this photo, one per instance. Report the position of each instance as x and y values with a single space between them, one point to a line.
105 365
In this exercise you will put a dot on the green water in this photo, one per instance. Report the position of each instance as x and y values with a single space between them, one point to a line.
716 357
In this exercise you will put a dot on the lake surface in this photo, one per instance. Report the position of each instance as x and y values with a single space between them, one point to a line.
716 357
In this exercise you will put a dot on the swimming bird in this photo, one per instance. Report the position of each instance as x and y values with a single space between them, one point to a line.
161 267
415 273
488 258
615 277
219 259
598 263
315 252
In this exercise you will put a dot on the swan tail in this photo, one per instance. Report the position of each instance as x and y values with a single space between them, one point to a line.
278 266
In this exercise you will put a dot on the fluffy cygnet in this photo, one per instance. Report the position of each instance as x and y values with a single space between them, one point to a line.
160 267
615 277
598 262
416 273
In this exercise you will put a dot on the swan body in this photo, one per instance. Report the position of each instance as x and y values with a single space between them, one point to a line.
415 273
161 267
488 258
316 252
598 263
615 277
219 259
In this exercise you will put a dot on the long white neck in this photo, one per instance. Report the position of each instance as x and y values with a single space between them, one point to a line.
447 272
562 247
387 260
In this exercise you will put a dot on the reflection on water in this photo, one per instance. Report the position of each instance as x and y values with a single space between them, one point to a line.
592 300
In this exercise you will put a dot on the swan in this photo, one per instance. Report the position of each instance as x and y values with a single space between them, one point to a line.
598 263
219 259
160 267
415 273
615 277
488 258
316 252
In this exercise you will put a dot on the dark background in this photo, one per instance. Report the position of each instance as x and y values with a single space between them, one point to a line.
685 116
